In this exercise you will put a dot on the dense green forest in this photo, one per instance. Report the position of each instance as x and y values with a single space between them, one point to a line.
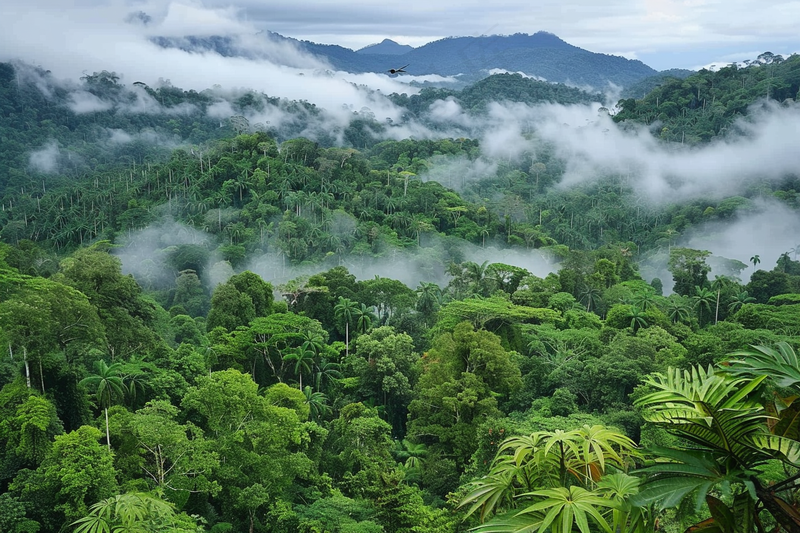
194 337
704 105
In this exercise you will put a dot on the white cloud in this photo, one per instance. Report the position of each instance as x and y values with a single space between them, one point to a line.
46 158
85 102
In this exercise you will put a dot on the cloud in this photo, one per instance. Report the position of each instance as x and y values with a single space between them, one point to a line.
144 253
763 227
45 159
454 172
118 136
504 71
449 111
92 37
191 19
85 102
768 229
764 150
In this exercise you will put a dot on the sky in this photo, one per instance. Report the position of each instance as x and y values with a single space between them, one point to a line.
662 33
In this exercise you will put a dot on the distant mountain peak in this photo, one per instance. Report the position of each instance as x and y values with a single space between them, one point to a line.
386 47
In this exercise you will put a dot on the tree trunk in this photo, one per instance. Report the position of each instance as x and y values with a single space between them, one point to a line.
108 436
27 367
41 374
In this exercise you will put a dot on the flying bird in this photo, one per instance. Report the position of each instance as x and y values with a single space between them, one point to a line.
397 70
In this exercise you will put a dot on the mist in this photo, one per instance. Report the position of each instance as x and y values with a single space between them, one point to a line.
81 44
767 229
763 227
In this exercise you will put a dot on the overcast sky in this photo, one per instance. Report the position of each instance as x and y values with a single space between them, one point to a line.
662 33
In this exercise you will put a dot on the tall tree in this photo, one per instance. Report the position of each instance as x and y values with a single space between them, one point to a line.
689 269
346 310
108 386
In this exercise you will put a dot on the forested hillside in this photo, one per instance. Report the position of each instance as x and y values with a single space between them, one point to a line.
703 105
220 326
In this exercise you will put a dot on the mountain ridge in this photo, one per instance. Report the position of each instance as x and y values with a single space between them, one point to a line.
386 47
541 54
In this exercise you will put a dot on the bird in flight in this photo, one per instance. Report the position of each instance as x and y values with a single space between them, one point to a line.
397 70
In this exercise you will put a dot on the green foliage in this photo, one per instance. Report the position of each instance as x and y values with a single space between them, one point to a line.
75 472
135 511
532 476
268 415
726 426
689 269
699 107
491 313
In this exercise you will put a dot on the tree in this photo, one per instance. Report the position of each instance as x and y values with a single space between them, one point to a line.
261 439
739 300
702 299
317 403
303 359
43 318
108 386
591 295
176 457
364 318
677 309
689 269
388 368
464 375
719 283
230 308
127 316
345 310
638 319
756 259
76 472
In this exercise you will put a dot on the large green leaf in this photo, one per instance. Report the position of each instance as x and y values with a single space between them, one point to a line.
713 410
566 508
780 363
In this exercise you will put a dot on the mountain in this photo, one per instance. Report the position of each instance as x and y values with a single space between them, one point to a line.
386 47
542 55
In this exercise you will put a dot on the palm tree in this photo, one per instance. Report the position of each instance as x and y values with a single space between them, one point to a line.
755 260
784 261
739 300
313 340
345 310
428 297
637 317
108 385
317 403
677 309
644 300
132 511
590 295
303 360
719 283
365 318
411 457
327 372
702 299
